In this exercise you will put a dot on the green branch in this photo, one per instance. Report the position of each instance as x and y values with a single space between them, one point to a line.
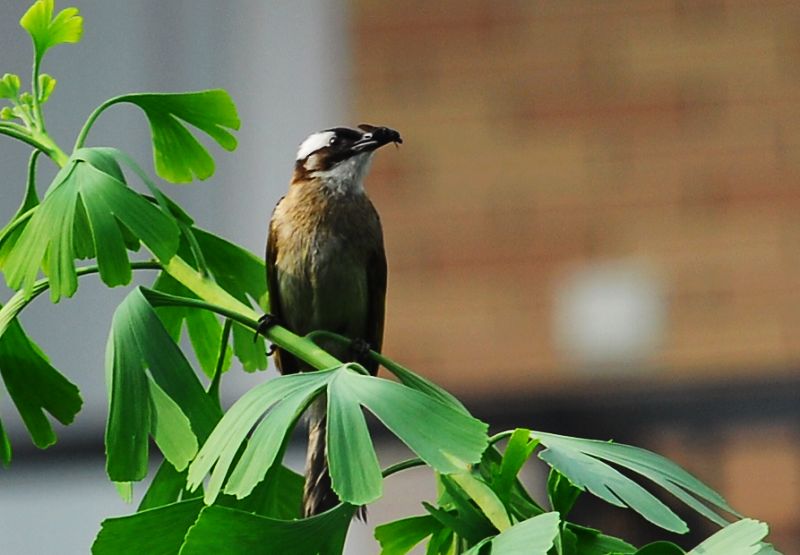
301 347
91 119
19 301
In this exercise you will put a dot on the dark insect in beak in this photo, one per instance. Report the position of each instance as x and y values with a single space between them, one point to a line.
375 137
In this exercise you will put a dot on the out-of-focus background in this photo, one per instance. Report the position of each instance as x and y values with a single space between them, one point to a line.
593 226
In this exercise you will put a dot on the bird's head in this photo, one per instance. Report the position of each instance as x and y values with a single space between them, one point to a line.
341 156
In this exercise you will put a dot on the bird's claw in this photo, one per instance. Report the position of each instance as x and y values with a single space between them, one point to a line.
264 323
360 349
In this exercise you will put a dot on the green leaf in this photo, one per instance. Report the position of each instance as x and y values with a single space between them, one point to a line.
518 501
266 442
534 536
660 548
202 326
519 449
466 522
592 542
415 381
353 464
5 446
178 155
171 429
279 495
449 443
35 386
11 232
234 532
484 497
400 537
157 531
46 31
561 492
165 488
222 446
54 236
740 538
584 463
241 274
47 85
139 342
9 86
450 440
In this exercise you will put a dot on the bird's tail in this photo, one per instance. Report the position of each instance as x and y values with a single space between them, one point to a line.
318 496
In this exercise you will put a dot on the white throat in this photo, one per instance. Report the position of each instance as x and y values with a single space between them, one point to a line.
346 177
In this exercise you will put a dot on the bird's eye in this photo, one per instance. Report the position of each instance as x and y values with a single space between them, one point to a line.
333 141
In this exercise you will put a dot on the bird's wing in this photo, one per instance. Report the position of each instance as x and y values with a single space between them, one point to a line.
286 363
376 289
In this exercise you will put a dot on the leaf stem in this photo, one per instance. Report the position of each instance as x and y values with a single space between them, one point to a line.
500 436
301 347
38 140
19 301
213 388
38 115
402 465
91 119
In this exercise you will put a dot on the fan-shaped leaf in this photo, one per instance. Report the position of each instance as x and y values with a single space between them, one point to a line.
5 446
9 85
138 343
449 442
158 531
35 386
178 155
400 537
534 536
353 464
90 186
235 532
223 444
740 538
46 31
584 463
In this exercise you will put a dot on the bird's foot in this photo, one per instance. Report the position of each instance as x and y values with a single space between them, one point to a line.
359 349
264 323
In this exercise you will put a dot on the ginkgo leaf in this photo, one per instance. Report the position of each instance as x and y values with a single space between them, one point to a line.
11 232
235 532
449 442
223 444
88 209
158 531
584 463
47 85
203 327
35 386
400 537
139 348
5 446
47 31
179 157
9 85
740 538
534 536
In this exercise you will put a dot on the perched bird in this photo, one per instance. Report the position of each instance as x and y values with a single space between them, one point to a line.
326 268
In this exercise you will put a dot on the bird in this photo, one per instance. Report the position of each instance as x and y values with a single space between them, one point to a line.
326 270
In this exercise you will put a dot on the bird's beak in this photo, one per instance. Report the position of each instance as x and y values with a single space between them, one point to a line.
375 137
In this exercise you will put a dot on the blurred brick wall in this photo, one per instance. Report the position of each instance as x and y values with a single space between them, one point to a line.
542 135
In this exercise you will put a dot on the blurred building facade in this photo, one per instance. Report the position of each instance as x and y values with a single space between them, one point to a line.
555 149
